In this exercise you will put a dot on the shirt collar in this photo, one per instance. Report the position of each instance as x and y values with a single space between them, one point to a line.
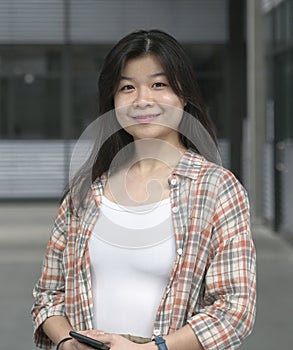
189 164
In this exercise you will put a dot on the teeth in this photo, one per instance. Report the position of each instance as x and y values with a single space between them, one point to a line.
146 116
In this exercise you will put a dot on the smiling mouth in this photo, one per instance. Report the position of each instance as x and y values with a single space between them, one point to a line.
145 119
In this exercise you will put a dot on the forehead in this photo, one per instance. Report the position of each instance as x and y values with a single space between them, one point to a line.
143 65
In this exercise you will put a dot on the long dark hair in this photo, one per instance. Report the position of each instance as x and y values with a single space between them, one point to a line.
180 75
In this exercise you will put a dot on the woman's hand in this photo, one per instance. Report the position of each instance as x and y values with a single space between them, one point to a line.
118 342
74 344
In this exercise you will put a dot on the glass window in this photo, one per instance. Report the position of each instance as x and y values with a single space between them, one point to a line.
284 85
3 107
30 107
37 107
85 65
288 81
289 20
30 94
280 25
84 103
209 66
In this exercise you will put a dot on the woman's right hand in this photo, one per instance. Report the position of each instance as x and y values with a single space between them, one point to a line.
74 344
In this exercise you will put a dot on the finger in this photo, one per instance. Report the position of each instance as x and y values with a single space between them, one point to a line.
91 332
104 337
80 346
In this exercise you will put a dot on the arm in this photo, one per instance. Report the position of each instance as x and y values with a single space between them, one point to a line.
49 290
57 328
227 312
182 339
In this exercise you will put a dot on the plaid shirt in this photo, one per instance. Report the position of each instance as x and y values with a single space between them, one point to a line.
212 285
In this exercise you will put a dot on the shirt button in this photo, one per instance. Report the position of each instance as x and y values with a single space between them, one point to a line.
157 332
168 290
179 251
175 210
173 182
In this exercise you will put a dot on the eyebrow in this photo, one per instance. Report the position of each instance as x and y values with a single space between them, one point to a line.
124 77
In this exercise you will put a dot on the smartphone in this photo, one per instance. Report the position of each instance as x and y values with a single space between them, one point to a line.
89 341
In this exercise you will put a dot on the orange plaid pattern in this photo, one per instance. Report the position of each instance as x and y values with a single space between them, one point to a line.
213 282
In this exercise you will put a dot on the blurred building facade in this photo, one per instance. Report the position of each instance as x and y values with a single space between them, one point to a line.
50 56
279 109
268 127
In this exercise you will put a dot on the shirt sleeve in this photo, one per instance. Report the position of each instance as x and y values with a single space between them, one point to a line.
49 290
229 299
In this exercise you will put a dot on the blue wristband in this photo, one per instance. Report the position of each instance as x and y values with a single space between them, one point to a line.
161 343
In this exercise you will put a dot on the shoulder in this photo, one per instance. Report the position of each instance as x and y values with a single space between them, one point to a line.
216 184
196 166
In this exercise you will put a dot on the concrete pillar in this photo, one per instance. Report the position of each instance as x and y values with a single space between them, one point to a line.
236 81
255 105
66 76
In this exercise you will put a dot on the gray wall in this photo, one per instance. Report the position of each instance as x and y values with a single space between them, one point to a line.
98 21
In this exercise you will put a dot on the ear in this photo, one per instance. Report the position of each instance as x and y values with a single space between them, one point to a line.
183 100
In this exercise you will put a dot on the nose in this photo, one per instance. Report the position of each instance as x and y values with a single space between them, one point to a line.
143 98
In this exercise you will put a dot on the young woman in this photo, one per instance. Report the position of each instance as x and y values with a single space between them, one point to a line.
152 241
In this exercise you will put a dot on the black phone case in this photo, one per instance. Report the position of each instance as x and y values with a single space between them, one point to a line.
89 341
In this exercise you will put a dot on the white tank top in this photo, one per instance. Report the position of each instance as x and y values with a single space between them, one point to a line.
132 251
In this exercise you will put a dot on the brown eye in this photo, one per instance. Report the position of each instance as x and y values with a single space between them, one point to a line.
127 87
159 84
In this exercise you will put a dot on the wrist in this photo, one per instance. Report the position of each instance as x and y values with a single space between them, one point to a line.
160 343
67 345
60 345
149 346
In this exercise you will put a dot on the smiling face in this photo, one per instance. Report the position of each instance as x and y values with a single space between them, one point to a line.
146 106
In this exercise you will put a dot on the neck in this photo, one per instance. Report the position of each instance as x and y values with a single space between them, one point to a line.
153 154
